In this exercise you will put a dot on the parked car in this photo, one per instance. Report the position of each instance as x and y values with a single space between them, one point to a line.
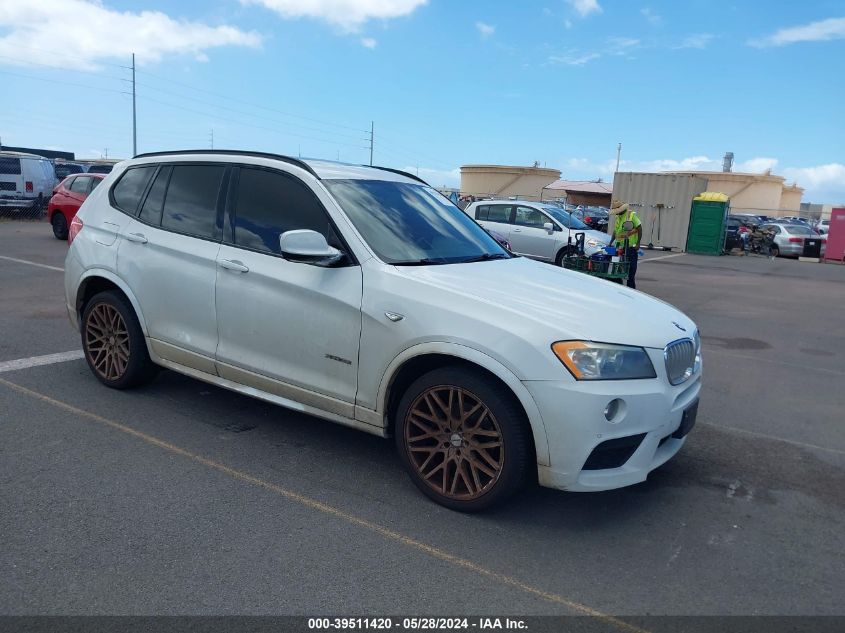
67 197
501 239
596 218
363 296
65 169
749 220
735 228
823 227
536 229
26 181
789 238
100 168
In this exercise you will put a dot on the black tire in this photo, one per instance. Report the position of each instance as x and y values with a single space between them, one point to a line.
59 225
456 445
774 251
109 323
566 250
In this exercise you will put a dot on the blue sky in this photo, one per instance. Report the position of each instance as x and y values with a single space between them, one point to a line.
447 82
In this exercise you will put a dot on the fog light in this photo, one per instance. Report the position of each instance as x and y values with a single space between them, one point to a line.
614 411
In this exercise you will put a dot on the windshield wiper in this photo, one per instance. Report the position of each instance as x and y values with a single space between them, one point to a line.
485 257
425 261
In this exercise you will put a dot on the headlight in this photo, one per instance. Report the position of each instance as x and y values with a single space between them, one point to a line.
594 243
600 361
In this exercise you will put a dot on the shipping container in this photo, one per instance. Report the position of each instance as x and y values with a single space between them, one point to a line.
663 203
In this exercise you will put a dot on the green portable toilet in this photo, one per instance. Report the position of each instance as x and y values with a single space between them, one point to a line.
708 219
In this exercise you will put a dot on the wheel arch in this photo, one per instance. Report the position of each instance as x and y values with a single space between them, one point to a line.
417 360
95 281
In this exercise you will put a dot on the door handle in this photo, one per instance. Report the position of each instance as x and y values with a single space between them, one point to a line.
230 264
136 237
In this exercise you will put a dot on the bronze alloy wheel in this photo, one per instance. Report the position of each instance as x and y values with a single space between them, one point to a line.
454 442
107 341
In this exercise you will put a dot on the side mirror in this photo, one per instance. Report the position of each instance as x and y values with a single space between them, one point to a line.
308 247
550 228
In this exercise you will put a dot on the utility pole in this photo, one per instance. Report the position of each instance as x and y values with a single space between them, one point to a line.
134 119
618 155
372 129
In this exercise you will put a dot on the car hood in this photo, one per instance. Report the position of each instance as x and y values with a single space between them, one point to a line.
573 305
592 234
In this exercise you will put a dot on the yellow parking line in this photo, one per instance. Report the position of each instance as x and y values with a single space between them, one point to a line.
385 532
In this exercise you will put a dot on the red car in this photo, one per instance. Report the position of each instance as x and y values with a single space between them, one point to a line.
67 197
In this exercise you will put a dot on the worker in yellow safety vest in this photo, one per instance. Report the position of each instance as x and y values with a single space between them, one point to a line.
627 233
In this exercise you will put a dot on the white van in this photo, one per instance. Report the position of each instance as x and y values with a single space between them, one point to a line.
26 181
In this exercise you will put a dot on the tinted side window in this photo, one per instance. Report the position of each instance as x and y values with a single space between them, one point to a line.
500 213
80 184
95 182
129 189
482 212
190 205
9 165
151 211
270 203
526 216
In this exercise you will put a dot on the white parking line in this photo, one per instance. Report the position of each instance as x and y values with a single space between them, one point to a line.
26 261
645 260
36 361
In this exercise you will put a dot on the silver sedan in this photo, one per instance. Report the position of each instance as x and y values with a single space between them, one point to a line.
789 238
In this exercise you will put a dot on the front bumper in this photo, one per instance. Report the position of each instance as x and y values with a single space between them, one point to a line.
573 414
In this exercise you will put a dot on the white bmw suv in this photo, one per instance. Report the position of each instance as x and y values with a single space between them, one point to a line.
363 296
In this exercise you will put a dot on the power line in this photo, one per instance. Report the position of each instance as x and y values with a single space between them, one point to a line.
66 83
254 105
259 127
66 56
249 114
64 68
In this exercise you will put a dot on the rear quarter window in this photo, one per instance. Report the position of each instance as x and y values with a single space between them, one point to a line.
127 193
10 165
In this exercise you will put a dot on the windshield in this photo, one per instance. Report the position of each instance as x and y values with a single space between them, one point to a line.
567 220
408 224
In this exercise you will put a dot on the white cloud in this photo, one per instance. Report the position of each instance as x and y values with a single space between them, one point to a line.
349 15
88 31
757 165
585 7
368 42
573 60
486 30
823 30
697 40
823 183
653 18
622 45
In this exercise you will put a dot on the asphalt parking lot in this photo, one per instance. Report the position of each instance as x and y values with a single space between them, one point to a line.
182 498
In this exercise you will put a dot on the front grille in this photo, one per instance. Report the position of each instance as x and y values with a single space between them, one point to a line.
680 360
8 186
613 453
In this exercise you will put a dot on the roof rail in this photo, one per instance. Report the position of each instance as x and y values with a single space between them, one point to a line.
400 172
286 159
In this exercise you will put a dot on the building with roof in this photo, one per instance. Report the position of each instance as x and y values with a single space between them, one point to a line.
764 193
506 181
593 193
